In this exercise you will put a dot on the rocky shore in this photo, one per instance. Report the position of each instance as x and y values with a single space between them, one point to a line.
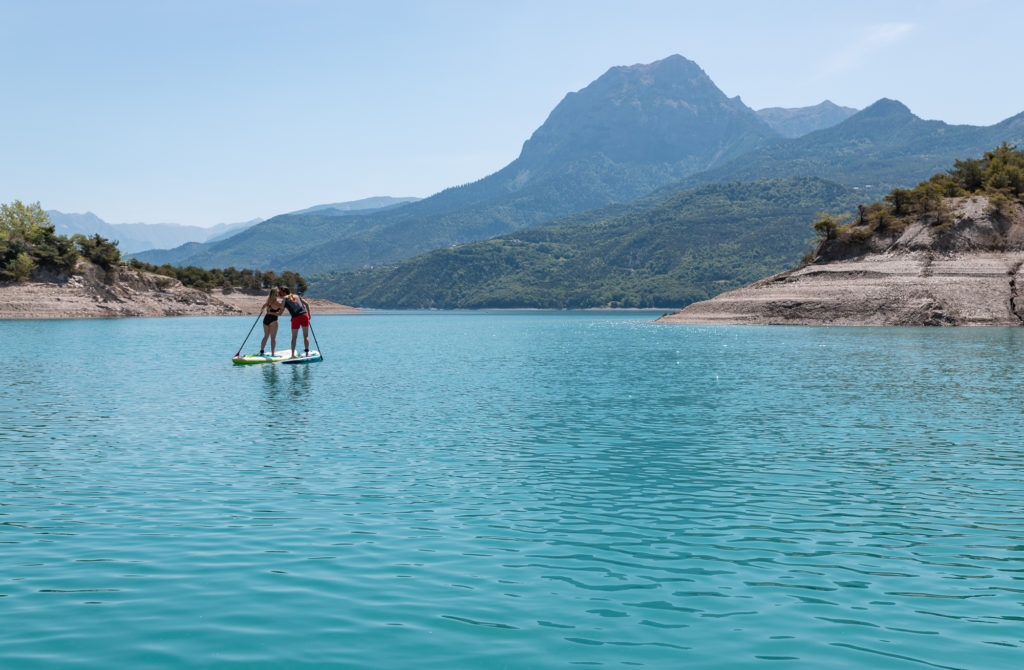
91 293
964 273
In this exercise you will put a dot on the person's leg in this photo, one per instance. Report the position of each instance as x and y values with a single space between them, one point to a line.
295 335
266 334
305 337
273 338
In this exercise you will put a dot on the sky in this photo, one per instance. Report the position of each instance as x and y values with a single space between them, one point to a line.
219 111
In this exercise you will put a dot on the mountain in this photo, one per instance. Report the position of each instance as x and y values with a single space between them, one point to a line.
185 254
379 202
689 247
86 224
221 231
882 147
661 126
668 112
798 121
633 129
134 237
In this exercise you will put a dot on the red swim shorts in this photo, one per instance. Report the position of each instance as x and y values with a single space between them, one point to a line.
300 320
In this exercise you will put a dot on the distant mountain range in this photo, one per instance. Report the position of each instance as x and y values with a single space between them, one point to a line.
798 121
881 147
133 237
362 206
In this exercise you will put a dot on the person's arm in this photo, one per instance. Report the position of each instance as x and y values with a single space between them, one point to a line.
308 309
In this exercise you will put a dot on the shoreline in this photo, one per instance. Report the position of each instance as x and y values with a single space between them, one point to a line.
968 271
91 293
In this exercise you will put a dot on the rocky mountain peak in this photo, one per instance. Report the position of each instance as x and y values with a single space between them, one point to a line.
660 112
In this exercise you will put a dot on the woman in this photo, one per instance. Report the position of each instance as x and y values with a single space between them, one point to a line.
274 306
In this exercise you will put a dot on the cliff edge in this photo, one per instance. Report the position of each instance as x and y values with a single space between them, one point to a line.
962 270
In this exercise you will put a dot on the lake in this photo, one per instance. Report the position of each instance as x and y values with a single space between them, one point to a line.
511 490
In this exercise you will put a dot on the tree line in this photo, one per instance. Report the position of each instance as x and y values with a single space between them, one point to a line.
29 242
201 278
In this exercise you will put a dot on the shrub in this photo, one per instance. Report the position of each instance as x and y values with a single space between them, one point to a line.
99 250
18 268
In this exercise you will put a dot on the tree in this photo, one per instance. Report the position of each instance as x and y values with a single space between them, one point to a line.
899 198
99 250
969 174
827 226
22 219
27 239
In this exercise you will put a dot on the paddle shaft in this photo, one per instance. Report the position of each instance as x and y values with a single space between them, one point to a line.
250 331
314 339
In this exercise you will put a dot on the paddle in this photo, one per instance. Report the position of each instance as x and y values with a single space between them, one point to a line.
314 339
250 332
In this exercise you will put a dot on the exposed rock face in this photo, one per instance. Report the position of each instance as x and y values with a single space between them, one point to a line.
91 293
966 273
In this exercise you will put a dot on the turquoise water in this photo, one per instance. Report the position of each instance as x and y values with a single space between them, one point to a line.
511 490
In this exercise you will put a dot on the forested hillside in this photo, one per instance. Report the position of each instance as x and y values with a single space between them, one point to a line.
690 247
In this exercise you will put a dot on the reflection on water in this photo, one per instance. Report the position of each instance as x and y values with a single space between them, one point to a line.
286 383
516 490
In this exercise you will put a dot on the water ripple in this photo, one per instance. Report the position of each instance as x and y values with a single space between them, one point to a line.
514 490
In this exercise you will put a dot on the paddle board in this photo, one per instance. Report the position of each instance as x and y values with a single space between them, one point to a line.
312 357
254 359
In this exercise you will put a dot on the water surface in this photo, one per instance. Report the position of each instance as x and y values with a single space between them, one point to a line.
511 490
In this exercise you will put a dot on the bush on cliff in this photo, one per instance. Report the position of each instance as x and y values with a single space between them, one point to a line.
999 176
99 250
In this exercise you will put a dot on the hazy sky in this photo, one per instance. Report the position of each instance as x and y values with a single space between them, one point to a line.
207 111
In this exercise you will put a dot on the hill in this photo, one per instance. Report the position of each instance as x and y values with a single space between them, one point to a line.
633 129
689 247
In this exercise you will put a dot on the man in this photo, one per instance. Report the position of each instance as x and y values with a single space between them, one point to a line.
299 309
